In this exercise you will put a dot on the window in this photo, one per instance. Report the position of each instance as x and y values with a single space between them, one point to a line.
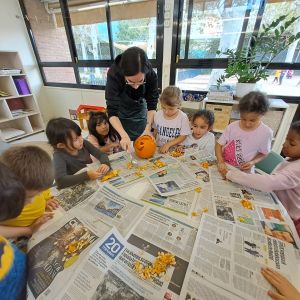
207 26
76 41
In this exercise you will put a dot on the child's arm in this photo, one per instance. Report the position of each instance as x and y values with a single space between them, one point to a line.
62 178
102 157
165 148
248 165
11 232
282 180
219 154
285 290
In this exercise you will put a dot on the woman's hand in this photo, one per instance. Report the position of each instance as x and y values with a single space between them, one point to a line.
125 143
285 290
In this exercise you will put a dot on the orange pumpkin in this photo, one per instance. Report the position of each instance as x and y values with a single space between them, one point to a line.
144 146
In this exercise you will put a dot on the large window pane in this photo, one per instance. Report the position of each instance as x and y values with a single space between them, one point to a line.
214 25
48 30
59 74
89 27
93 76
134 24
273 10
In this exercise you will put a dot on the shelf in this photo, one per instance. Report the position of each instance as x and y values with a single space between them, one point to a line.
231 102
12 97
24 135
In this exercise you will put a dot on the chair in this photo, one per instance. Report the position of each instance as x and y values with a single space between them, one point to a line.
268 164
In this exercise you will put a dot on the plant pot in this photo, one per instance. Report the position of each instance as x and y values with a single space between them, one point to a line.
242 89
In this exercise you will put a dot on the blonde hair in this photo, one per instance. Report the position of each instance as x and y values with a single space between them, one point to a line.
171 96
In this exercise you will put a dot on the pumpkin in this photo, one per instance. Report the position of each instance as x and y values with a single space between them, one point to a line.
144 146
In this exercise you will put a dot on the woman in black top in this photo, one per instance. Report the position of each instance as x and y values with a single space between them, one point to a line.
131 95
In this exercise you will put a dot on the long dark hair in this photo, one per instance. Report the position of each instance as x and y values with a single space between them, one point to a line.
98 118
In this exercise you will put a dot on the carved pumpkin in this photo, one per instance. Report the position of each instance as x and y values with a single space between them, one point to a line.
144 146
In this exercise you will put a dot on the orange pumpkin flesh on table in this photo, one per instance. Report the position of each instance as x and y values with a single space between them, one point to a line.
144 146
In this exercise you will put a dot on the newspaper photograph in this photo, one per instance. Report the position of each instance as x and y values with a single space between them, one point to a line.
231 257
108 205
78 194
173 179
53 255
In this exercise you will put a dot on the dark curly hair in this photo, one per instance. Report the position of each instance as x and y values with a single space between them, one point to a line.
208 115
256 102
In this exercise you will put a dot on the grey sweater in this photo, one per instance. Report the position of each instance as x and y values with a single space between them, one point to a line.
66 165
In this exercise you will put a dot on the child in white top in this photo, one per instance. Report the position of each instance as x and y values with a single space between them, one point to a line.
102 135
201 138
171 125
247 141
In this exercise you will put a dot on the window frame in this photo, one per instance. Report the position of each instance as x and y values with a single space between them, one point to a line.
75 63
213 63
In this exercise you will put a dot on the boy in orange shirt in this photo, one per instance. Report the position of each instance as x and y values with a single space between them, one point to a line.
33 167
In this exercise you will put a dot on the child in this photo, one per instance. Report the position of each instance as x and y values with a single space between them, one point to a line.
247 141
102 135
285 179
171 125
33 167
12 260
72 153
284 289
201 137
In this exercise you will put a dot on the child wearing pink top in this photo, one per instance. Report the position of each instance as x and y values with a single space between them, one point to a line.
285 179
102 135
247 141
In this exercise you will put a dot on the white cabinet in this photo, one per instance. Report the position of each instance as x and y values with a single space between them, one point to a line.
19 111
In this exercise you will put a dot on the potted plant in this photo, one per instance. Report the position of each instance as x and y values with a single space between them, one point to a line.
250 65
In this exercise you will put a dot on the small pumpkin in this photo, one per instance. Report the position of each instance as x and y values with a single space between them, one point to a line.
144 146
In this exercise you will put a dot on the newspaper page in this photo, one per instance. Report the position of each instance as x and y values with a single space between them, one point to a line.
69 198
108 272
173 179
267 220
231 257
54 254
230 189
110 206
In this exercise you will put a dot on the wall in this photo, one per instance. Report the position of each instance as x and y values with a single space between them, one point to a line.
14 37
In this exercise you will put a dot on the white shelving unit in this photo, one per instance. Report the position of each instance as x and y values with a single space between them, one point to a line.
30 120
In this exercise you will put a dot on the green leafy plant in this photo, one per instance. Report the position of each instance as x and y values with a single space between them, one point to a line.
250 65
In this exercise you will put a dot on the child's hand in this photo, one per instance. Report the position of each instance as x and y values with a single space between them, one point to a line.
164 149
51 204
103 169
93 174
247 166
39 222
286 291
222 169
180 148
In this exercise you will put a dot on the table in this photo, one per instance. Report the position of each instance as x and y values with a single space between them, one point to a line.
65 258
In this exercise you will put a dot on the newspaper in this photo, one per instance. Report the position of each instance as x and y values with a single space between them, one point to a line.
109 206
70 197
227 188
54 254
173 179
268 220
231 257
108 270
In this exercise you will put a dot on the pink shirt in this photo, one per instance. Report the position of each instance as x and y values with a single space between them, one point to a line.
241 146
284 181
